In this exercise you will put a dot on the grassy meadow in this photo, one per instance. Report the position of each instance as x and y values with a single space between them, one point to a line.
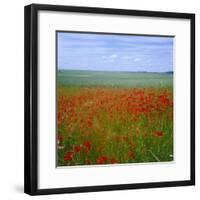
114 117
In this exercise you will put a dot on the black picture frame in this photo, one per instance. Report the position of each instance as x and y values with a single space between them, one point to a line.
31 98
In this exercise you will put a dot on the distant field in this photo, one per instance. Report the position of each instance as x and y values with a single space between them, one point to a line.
115 79
114 117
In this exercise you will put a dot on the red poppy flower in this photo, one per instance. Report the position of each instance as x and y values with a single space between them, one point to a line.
60 138
77 148
101 160
87 144
68 156
158 133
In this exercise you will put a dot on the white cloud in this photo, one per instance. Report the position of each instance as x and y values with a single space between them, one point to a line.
113 56
137 59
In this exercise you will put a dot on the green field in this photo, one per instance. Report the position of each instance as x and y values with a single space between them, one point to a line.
114 117
114 79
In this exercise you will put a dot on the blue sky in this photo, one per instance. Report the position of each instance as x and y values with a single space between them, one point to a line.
103 52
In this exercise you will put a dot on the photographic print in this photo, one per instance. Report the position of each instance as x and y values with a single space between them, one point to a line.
104 103
114 98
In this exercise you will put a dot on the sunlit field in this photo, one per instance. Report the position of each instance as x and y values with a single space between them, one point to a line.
114 117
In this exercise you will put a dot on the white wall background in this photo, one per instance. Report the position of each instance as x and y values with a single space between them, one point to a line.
11 99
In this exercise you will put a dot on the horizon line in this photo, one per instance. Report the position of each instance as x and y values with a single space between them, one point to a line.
115 70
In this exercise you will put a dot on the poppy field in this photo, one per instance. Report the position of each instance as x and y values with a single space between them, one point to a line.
114 117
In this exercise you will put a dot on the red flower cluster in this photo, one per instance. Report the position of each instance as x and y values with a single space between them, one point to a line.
97 117
102 160
68 156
